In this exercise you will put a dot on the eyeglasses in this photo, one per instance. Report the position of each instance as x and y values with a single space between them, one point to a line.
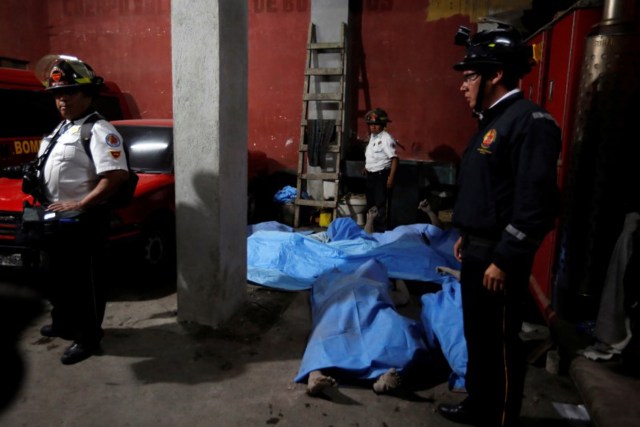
471 77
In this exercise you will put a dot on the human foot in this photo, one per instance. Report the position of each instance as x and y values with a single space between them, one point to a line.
387 382
318 382
372 213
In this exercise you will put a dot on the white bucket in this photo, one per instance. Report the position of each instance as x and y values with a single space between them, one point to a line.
354 206
328 190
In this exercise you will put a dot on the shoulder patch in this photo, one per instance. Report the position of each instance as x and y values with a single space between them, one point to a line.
113 140
115 154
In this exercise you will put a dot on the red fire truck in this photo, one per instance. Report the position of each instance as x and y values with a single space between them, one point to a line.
30 113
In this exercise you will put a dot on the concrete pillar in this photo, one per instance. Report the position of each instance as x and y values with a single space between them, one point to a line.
209 65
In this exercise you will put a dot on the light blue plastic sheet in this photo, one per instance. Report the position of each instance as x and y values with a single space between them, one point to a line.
336 266
292 261
356 328
269 225
285 195
441 318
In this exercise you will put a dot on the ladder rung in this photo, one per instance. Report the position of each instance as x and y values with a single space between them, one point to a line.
326 46
323 72
317 203
338 121
323 97
320 176
331 148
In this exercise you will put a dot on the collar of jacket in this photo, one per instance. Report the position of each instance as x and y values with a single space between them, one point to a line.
498 109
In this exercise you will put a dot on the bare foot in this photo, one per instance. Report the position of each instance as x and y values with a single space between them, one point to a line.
372 213
371 216
424 206
318 382
387 382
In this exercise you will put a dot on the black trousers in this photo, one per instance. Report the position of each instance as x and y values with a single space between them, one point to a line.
492 322
74 280
379 196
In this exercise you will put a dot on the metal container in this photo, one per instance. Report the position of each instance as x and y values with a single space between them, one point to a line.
603 176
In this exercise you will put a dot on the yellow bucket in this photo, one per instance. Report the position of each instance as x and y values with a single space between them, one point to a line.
325 218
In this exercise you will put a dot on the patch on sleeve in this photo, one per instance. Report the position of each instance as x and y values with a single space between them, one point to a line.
113 140
393 144
115 154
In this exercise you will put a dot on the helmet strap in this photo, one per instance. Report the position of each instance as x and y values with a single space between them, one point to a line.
477 110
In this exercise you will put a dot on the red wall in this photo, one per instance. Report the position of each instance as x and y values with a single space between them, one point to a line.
277 53
403 65
127 41
23 29
403 61
408 64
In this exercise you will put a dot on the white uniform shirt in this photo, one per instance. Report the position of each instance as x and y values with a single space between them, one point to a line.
69 173
380 150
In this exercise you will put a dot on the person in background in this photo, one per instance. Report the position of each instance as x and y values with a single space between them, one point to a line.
506 202
76 188
381 163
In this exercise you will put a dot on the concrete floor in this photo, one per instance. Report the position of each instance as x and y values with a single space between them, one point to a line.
157 372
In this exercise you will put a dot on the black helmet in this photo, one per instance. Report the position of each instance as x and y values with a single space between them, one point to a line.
58 72
502 47
377 117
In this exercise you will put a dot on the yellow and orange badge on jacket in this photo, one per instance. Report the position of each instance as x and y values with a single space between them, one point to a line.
487 140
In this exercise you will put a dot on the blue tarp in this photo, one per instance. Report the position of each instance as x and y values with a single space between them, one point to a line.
441 318
293 261
356 328
288 195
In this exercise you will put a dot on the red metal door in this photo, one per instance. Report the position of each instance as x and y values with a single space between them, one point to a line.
554 86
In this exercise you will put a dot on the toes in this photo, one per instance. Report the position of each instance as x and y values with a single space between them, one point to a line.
387 382
318 384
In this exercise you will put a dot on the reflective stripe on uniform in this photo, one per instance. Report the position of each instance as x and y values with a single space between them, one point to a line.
543 115
515 232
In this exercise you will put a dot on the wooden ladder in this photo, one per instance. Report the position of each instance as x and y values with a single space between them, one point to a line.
316 80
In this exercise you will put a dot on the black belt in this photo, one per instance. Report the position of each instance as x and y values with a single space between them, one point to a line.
378 172
478 240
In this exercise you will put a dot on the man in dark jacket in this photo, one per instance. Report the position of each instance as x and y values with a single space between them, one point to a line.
506 203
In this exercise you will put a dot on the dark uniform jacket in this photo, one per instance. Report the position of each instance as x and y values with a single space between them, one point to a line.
507 186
